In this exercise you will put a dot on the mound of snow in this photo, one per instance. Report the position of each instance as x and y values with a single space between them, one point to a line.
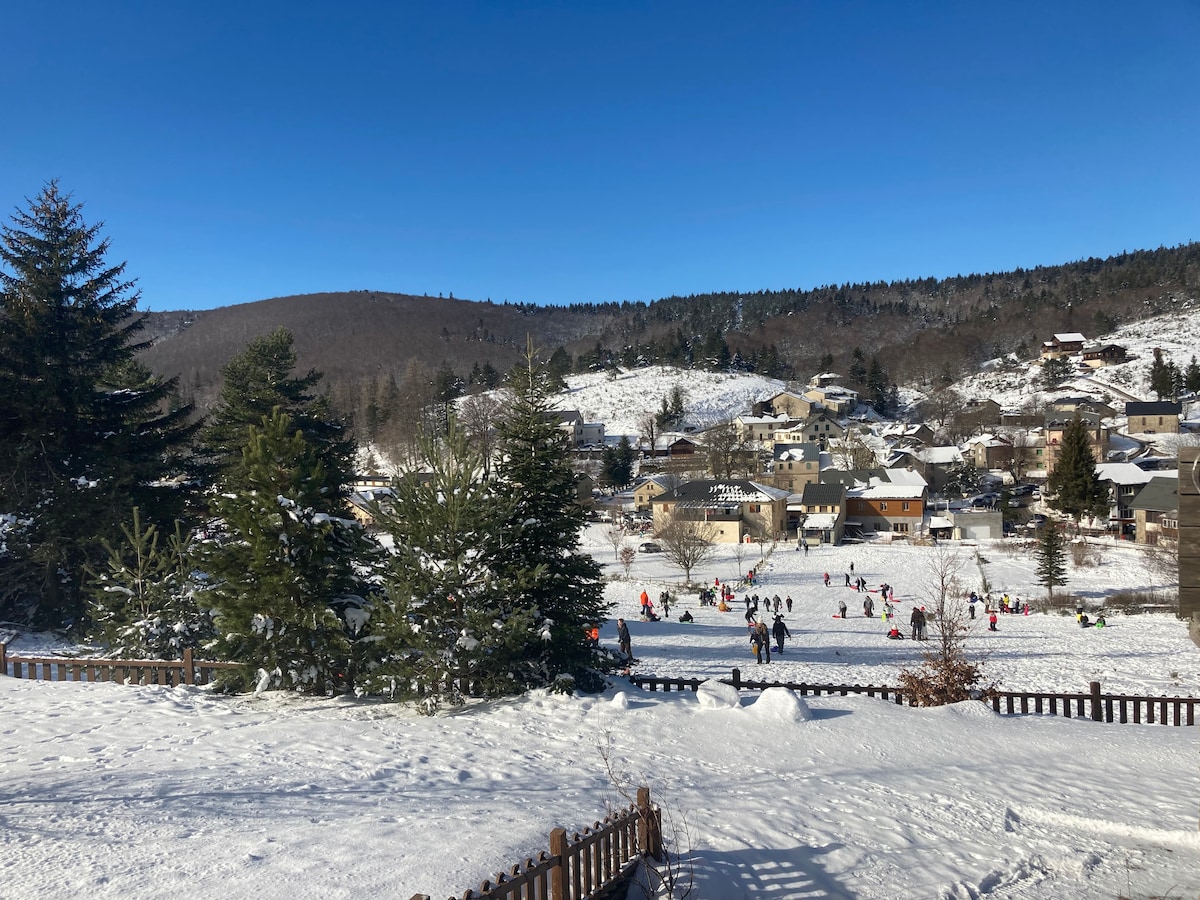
972 709
718 695
781 704
620 700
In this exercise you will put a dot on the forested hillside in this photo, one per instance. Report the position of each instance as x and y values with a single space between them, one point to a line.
386 355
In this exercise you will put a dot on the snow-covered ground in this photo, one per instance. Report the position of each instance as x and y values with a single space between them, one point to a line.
110 791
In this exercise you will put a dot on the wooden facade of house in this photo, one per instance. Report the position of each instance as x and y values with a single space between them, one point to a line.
735 510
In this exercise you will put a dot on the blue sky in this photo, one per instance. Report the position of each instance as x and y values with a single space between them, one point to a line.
569 152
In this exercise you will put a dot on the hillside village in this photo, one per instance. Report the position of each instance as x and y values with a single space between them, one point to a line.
816 463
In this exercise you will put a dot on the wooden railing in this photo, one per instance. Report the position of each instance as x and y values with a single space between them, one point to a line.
1094 705
188 670
581 865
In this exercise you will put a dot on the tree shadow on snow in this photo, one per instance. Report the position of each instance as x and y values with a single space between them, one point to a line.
775 872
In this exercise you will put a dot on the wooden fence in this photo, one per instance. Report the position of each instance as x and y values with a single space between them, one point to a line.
581 865
1094 705
188 670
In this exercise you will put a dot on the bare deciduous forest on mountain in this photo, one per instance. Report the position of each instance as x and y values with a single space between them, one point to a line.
385 356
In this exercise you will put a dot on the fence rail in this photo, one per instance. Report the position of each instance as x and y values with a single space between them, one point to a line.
188 670
580 865
1119 708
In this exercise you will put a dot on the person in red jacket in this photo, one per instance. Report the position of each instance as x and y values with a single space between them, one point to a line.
992 619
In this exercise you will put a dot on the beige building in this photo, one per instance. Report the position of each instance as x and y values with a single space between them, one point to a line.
736 510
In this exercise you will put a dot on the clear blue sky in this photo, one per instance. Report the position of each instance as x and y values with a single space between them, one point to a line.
562 152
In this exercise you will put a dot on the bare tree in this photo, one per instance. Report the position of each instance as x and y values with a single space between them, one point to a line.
939 406
648 426
947 674
727 450
627 555
616 537
478 415
853 451
687 543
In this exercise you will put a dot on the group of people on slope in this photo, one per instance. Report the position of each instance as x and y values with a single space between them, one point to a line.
760 637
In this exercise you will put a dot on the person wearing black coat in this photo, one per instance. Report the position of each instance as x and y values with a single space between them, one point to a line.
780 630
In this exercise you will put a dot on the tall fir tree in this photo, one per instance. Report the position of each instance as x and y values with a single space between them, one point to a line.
1050 554
560 584
86 433
450 624
281 571
1074 486
254 384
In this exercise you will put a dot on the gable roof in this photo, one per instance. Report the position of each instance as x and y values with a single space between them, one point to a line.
1069 337
1153 408
1122 473
1159 495
804 452
824 494
737 491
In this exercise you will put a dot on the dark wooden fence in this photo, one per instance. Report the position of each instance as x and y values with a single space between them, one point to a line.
1092 705
583 864
188 670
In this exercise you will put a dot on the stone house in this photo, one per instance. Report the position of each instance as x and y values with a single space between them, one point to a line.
1158 417
735 509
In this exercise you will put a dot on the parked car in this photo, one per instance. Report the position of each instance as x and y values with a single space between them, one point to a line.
1022 490
649 547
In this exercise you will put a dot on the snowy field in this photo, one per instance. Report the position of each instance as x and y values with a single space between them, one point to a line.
110 791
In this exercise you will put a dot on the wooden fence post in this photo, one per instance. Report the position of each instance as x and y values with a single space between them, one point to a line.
649 827
1097 706
3 659
189 671
737 678
558 875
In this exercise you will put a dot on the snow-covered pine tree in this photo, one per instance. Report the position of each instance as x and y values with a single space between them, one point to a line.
143 602
281 572
448 626
558 584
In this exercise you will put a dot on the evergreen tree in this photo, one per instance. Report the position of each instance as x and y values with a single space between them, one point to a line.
858 368
559 584
1051 558
1191 377
1074 485
287 601
86 433
1055 371
143 603
616 467
1161 380
257 382
450 625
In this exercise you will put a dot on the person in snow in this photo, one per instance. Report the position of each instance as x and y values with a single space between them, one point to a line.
894 634
764 639
788 602
992 620
847 579
666 603
687 616
623 639
869 607
778 602
780 630
917 620
851 567
826 579
645 598
842 608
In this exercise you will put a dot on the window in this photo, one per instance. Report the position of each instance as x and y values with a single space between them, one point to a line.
883 504
904 506
900 526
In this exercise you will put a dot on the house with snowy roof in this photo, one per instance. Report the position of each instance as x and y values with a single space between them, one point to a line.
1098 355
761 429
734 509
646 490
1124 481
818 429
823 513
988 451
883 507
936 463
1066 344
837 399
788 403
795 465
1055 428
